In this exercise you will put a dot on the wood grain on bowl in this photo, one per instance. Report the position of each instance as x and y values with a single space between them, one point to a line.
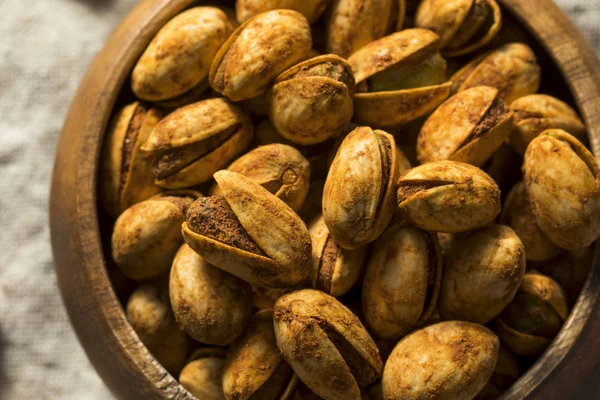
126 366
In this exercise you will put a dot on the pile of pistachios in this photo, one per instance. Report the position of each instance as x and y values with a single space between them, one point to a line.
312 208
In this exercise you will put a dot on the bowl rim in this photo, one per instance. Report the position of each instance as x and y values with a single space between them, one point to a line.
123 362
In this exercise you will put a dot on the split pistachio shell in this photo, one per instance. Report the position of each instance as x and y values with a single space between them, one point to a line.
258 51
326 345
468 127
448 196
125 172
249 233
570 270
312 101
279 168
147 235
311 9
512 69
481 275
202 375
563 183
537 313
210 305
536 113
358 198
401 282
254 368
335 270
463 25
150 315
446 361
518 214
180 55
399 78
194 142
353 24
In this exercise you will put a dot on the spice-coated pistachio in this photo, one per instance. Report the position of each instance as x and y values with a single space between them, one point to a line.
258 51
125 172
180 55
325 344
482 273
249 233
469 127
563 183
311 9
446 361
210 305
358 198
203 374
402 281
448 196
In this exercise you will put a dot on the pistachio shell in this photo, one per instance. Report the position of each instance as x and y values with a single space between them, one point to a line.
270 223
511 68
353 24
195 141
563 184
518 214
312 101
180 55
125 172
536 113
468 127
202 376
311 9
254 368
334 270
521 343
258 51
150 316
146 237
448 196
482 274
359 190
324 342
450 360
401 282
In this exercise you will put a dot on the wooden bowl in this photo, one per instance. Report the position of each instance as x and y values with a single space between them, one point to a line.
569 367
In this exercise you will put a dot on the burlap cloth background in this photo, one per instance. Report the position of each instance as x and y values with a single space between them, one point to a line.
45 48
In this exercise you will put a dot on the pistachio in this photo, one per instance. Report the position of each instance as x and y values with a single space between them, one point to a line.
506 373
511 68
399 78
249 233
538 311
202 375
481 275
353 24
358 195
254 368
125 172
278 39
210 305
448 196
326 345
401 282
449 360
334 270
563 183
463 25
312 101
311 9
193 142
149 313
180 55
280 169
518 214
536 113
147 235
469 127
